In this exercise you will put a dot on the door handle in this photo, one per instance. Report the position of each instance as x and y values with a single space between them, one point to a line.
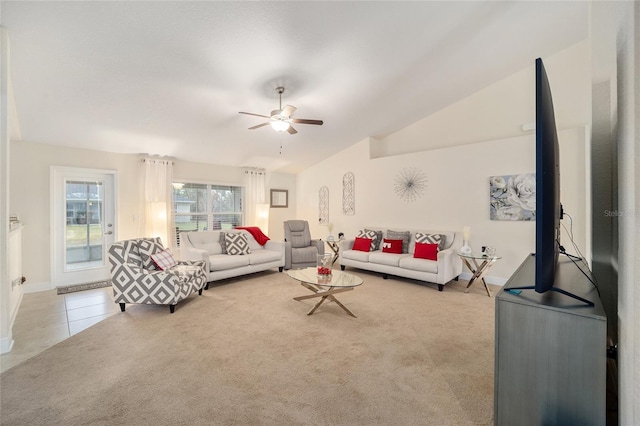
108 233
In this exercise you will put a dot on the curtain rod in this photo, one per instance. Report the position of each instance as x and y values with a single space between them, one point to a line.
158 160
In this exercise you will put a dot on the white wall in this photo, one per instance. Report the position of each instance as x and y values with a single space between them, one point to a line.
500 110
486 131
9 296
278 215
29 194
457 193
615 47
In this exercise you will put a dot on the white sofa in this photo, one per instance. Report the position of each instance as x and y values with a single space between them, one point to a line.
206 246
448 266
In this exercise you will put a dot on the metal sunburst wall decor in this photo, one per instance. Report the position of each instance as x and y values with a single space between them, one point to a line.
410 184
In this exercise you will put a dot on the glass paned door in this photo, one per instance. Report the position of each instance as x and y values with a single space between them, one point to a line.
85 226
82 223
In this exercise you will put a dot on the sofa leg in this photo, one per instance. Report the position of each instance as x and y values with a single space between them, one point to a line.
342 267
456 278
385 276
206 287
440 287
122 307
172 308
280 268
200 292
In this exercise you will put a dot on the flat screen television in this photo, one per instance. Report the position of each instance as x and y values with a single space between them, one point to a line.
548 206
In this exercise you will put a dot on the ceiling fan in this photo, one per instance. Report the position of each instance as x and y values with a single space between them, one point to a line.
280 119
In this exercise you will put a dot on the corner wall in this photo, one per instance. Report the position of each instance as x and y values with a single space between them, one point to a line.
615 47
9 296
29 195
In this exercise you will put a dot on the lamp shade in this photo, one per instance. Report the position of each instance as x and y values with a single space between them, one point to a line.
466 233
262 217
279 125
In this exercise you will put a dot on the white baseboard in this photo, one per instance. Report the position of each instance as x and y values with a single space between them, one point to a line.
489 280
36 287
6 344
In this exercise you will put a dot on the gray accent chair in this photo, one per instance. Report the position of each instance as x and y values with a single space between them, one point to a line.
135 279
300 251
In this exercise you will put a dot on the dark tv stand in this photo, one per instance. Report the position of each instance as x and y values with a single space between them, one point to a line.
559 290
550 352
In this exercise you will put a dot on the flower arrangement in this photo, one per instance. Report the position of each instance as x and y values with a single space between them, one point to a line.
324 264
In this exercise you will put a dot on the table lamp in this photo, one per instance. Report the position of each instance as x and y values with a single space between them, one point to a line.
466 235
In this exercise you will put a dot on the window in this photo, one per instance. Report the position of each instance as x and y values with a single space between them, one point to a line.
202 207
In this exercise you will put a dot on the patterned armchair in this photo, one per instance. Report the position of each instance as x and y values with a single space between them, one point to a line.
136 279
300 251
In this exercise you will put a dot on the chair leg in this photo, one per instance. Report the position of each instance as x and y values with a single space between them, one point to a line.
122 307
200 292
172 308
206 287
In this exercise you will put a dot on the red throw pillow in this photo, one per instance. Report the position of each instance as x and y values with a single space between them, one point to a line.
362 244
426 251
392 246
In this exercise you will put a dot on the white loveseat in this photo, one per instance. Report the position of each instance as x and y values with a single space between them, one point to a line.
206 246
448 266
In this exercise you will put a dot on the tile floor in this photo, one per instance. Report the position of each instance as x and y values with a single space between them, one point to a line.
46 318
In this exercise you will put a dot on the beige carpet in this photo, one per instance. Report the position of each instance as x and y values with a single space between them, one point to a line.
246 353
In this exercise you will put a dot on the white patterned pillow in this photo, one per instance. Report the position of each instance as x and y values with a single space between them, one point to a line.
378 240
430 239
164 260
372 235
148 247
236 243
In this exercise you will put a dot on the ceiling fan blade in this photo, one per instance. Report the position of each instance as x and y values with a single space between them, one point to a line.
291 130
288 110
257 115
258 126
305 121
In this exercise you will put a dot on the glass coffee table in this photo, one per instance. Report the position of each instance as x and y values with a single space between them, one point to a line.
325 286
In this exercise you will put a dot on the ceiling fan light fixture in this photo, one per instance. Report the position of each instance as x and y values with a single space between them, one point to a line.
279 125
281 119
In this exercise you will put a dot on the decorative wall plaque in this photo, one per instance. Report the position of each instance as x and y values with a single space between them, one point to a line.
323 204
348 194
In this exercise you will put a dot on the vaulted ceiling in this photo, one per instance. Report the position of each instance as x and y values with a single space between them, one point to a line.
169 78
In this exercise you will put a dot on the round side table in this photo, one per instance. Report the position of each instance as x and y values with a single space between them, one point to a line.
480 266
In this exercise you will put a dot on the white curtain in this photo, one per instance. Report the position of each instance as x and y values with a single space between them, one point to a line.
157 180
256 210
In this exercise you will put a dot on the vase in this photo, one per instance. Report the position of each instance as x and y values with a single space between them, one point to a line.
324 264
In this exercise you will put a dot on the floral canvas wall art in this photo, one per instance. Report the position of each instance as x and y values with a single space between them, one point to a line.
513 197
